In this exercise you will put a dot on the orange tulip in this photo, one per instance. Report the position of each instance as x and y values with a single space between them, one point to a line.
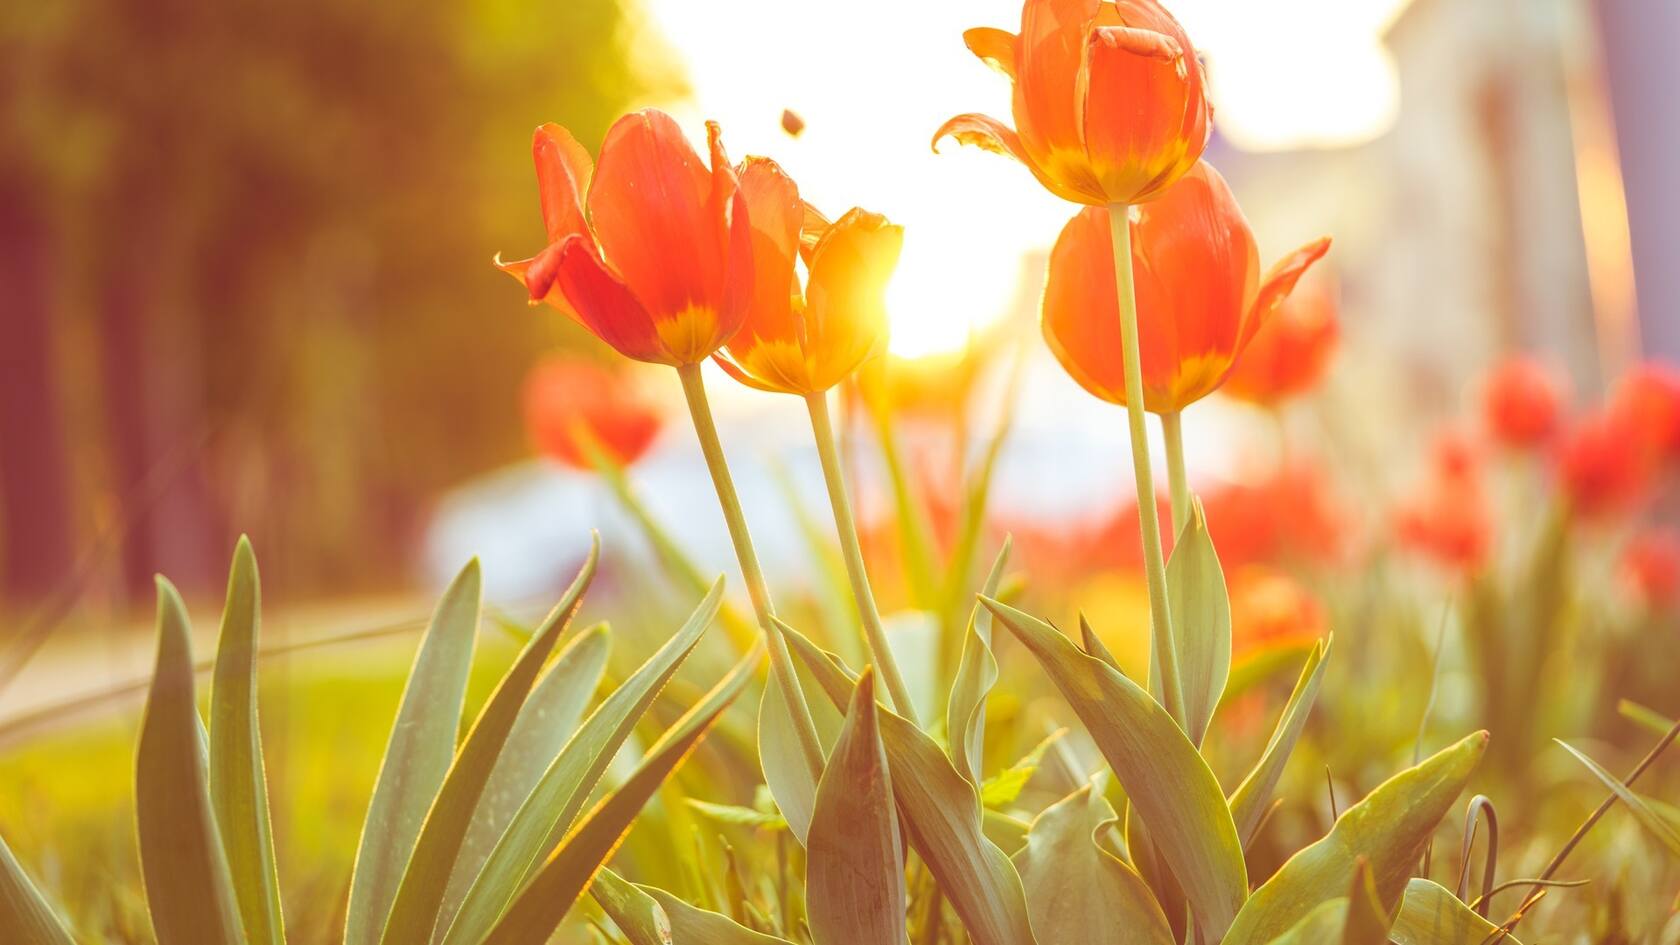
1270 608
1109 101
1651 563
570 402
1522 403
658 265
1647 399
1200 295
1290 355
802 342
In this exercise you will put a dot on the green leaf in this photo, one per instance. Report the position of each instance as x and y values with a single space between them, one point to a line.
1001 789
25 914
417 757
642 920
546 722
1654 823
692 925
1249 800
419 897
738 816
854 867
547 812
543 903
238 787
1389 829
1170 787
1645 717
1429 915
965 712
1257 666
1201 622
1367 918
189 891
1323 924
785 772
941 812
1078 891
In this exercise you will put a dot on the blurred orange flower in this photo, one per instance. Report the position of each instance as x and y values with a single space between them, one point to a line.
1293 514
1651 563
1290 354
1522 403
1647 401
1200 295
802 342
659 266
1602 464
1270 607
1109 101
1448 518
569 401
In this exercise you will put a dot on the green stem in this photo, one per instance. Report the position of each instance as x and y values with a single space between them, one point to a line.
1172 431
823 427
781 661
1155 568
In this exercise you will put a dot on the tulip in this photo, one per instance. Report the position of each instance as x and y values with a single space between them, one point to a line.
657 263
576 408
1289 355
1200 296
1647 400
1449 518
1109 100
1602 465
1651 563
1270 608
1522 403
805 342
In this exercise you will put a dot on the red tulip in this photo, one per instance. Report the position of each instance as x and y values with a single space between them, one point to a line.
1651 563
1290 354
1268 607
1522 403
1648 402
1603 465
1200 295
660 265
1109 99
570 401
1448 519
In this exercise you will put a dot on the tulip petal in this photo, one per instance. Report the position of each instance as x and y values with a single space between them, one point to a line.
563 172
653 205
606 306
1142 94
846 310
987 133
1279 281
1050 53
1080 313
776 215
995 47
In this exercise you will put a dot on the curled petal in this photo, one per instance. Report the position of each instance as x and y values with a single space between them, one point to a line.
1144 111
606 306
563 173
982 131
995 47
1278 282
1138 42
537 275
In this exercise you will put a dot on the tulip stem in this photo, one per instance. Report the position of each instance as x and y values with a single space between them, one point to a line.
1172 432
1155 568
823 427
781 661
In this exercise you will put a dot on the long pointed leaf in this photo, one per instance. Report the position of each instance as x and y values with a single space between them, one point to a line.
544 903
965 713
1169 785
1368 919
638 915
188 889
854 866
1249 800
546 723
694 924
785 772
1201 622
420 896
1430 915
417 757
1653 822
547 812
1320 926
25 914
942 815
1389 829
238 786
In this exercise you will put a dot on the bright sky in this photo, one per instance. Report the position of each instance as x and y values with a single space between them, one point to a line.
874 78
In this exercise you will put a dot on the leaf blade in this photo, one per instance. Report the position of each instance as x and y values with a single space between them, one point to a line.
25 914
1201 612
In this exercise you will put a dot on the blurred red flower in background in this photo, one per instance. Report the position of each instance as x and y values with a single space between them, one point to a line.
1109 101
1651 562
1603 464
1448 519
1268 607
1200 294
1522 403
661 267
1291 353
1647 402
569 401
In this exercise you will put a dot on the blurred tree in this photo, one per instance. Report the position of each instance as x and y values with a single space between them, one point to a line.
254 268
